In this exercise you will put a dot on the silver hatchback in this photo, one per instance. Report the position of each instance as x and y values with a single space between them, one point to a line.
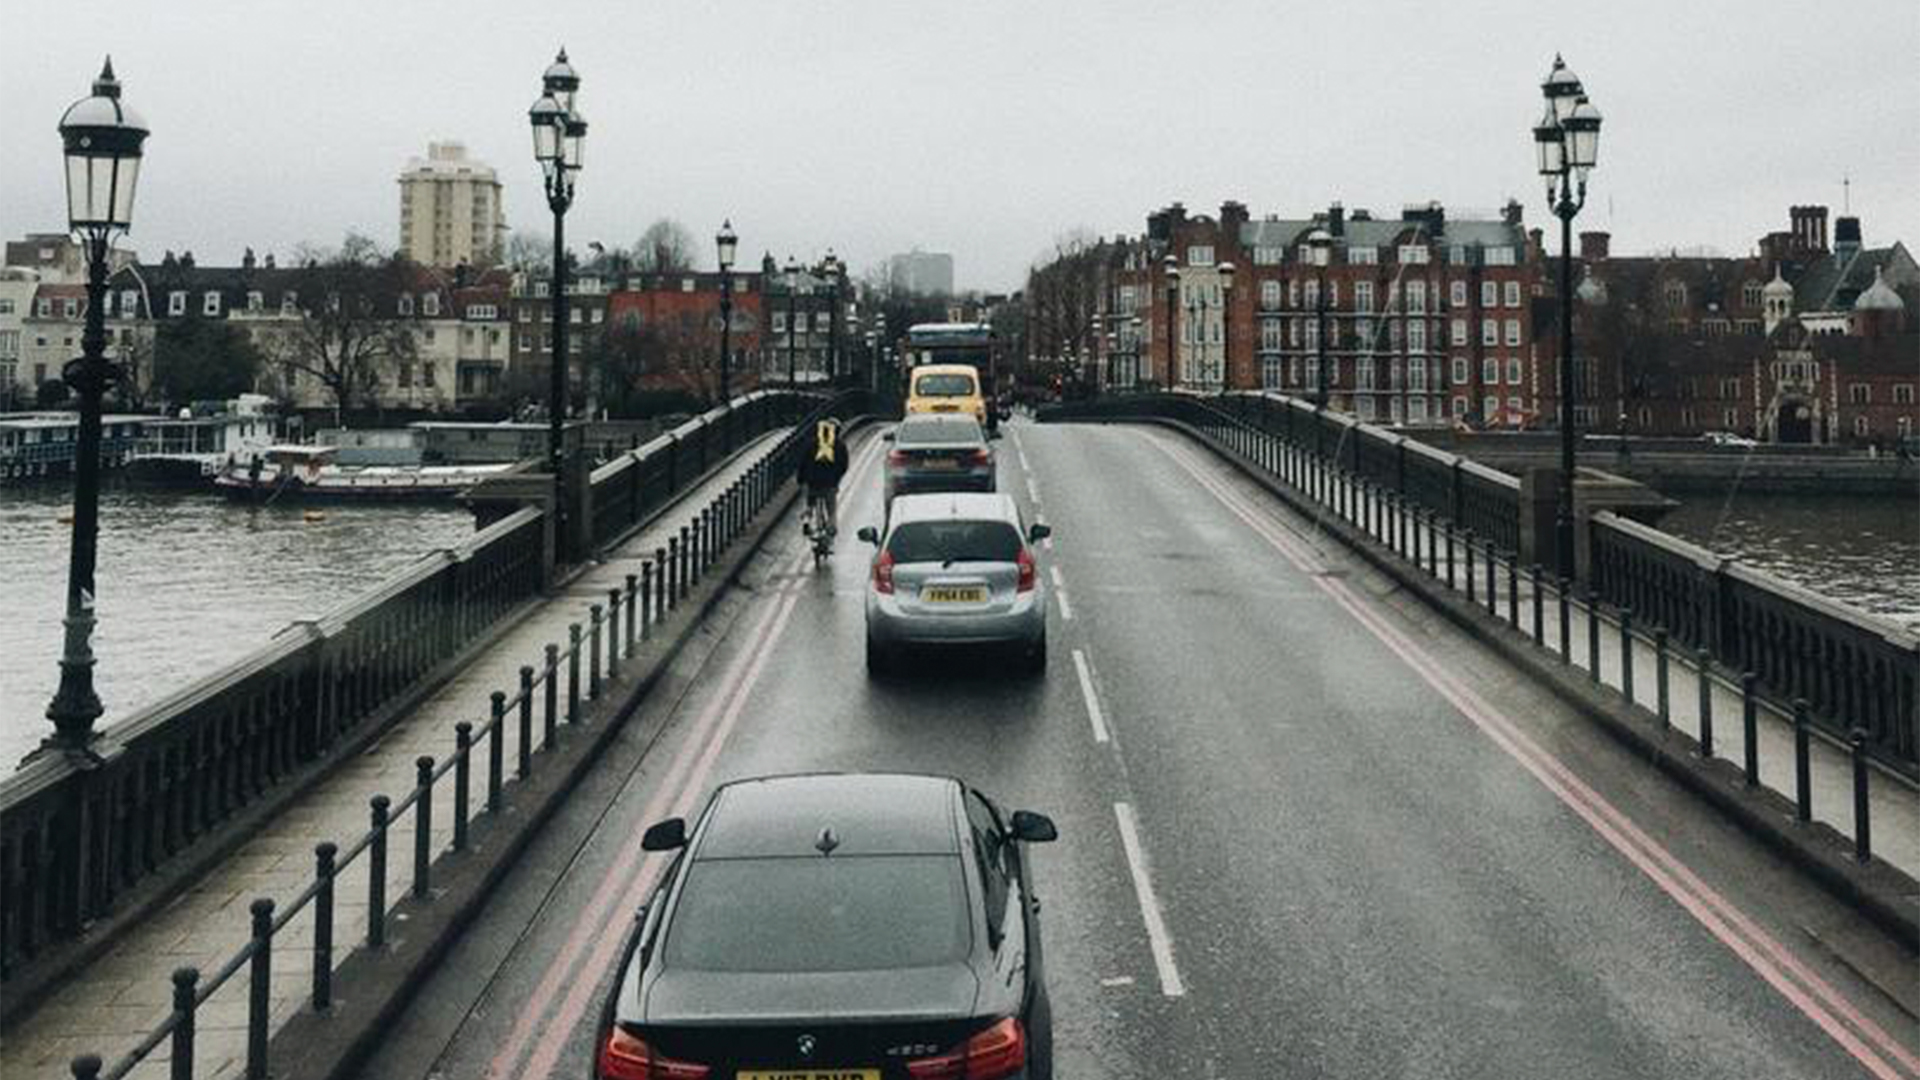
955 569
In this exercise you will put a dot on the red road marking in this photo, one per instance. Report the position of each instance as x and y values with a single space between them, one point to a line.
1719 916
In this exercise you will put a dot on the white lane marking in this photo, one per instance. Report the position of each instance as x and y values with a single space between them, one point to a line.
1054 572
1157 939
1023 458
1094 715
1118 980
1066 609
1033 490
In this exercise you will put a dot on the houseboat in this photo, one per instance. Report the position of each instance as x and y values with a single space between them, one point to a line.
315 472
194 446
34 445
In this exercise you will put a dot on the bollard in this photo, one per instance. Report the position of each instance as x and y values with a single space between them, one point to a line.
1750 724
1493 590
1704 660
423 826
550 686
1593 636
377 874
87 1067
673 572
1626 654
1513 591
259 988
594 615
1450 553
696 550
1539 607
462 778
573 673
646 600
660 565
323 856
1802 761
683 582
523 762
1566 620
1862 811
497 751
633 599
613 634
1466 536
1662 705
186 1004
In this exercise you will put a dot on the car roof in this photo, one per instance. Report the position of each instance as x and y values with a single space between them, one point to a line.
954 505
946 369
868 814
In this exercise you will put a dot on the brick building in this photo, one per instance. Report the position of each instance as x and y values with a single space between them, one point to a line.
681 313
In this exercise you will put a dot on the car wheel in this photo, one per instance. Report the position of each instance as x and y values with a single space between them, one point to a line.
879 660
1036 658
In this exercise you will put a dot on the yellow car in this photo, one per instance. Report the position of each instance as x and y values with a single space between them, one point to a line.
947 388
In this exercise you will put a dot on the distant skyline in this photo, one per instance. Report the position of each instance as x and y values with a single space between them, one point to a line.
985 129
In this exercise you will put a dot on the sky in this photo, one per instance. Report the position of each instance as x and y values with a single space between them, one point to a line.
986 128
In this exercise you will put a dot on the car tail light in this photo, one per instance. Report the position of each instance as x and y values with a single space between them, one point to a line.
883 573
1028 571
999 1051
626 1056
897 457
981 457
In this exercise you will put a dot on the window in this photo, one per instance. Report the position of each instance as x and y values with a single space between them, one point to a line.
1366 408
406 304
1731 419
779 322
575 316
289 302
1417 410
1501 255
1490 370
1513 332
70 308
1269 295
1363 333
1860 426
1730 389
1268 256
526 314
256 301
1675 294
1460 371
6 305
1416 298
1489 408
1363 296
1459 333
1414 253
1364 373
1489 293
1459 406
1270 372
483 312
427 373
1489 331
1417 336
1515 370
1513 294
1750 295
428 335
1859 394
1417 376
526 342
1333 294
430 304
1313 294
822 320
1363 255
1293 332
1293 293
1513 410
177 303
1200 255
1458 294
1270 334
210 304
1903 393
404 380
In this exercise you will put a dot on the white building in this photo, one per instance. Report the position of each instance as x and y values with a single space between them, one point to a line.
450 210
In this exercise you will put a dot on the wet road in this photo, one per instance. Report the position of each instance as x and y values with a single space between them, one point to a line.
1305 830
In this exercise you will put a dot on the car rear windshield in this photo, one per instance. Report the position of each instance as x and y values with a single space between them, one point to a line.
954 541
938 431
818 913
943 385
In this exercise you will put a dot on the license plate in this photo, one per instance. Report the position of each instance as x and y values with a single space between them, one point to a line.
810 1074
938 463
952 595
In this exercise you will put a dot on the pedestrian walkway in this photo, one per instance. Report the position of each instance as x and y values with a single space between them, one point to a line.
110 1005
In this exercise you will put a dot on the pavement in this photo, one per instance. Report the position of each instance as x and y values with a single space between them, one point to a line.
116 1000
1308 827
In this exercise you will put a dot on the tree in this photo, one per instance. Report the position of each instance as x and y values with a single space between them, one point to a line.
666 247
51 395
352 325
529 251
198 359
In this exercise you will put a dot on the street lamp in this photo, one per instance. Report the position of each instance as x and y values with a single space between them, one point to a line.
1133 353
1567 142
103 139
831 268
558 134
726 242
793 290
1320 242
1097 322
1226 325
1173 309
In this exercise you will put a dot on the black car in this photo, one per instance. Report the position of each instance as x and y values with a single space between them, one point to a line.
938 452
836 927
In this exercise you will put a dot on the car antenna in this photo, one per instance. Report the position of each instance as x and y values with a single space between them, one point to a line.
827 842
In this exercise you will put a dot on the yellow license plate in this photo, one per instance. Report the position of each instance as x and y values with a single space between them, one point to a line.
954 596
811 1074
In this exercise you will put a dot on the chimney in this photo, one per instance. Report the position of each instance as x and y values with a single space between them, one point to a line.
1233 214
247 260
1337 219
269 260
1846 235
1593 245
1809 226
1511 213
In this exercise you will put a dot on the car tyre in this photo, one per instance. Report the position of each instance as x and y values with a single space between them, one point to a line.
1035 660
880 663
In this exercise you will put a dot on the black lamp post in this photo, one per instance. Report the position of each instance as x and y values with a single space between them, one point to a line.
1321 243
558 133
103 140
1133 352
727 243
831 268
793 292
1567 139
1172 266
1226 325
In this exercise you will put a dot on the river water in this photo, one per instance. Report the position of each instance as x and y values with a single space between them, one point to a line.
187 582
1859 550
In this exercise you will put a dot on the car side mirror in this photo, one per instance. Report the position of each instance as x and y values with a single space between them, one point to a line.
1033 828
665 835
1038 531
888 437
870 534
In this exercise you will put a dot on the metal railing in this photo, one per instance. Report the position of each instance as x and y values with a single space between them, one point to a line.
1836 669
551 694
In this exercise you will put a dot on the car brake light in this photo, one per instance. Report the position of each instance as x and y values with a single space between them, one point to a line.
627 1057
1028 572
883 573
999 1051
896 457
982 457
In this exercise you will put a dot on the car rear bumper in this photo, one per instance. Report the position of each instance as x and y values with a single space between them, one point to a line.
920 482
1025 622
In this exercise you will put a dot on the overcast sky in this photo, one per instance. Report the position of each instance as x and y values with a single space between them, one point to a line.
981 128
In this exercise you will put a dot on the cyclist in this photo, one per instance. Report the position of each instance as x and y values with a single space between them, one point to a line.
823 462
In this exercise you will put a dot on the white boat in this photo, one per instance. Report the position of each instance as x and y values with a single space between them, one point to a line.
313 472
193 449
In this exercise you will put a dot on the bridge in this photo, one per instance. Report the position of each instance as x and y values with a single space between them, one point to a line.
1346 783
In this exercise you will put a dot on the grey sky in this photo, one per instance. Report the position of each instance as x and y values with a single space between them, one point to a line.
982 128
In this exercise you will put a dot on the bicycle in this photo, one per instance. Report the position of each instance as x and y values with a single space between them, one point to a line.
818 524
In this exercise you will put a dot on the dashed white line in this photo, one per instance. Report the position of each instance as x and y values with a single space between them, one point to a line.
1054 573
1094 715
1033 490
1023 461
1157 939
1066 609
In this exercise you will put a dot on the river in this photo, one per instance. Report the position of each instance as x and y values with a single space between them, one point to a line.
1859 550
187 582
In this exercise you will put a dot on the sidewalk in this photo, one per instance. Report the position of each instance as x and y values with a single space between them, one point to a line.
114 1002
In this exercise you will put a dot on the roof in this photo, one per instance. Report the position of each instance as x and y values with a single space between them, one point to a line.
869 814
948 505
1835 280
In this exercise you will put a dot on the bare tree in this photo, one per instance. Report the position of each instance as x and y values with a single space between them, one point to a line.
529 251
353 324
666 247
